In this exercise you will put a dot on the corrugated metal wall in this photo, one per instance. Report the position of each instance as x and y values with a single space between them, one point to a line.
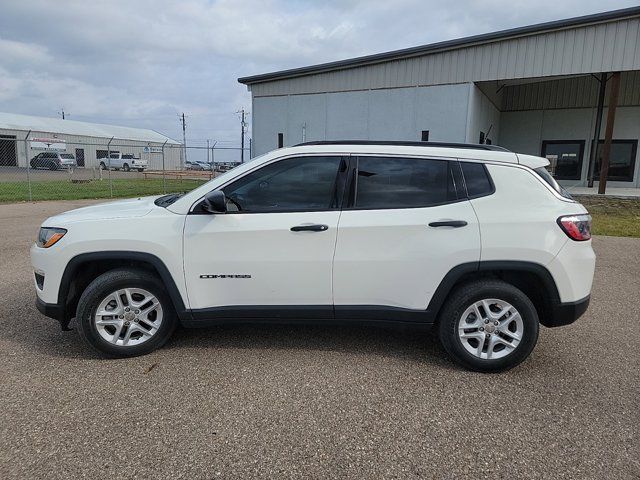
578 92
91 145
603 47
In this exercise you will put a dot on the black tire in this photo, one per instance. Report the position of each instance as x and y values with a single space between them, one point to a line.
464 297
102 287
102 166
141 170
126 167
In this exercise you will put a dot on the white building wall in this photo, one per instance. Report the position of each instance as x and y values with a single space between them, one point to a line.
389 114
483 117
524 132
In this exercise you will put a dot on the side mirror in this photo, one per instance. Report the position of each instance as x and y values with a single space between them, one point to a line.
215 202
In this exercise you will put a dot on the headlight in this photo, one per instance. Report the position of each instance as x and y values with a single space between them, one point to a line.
49 236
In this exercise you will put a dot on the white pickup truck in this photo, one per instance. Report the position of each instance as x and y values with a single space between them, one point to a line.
123 161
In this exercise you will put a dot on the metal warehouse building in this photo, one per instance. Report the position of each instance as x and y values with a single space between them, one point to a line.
87 141
539 89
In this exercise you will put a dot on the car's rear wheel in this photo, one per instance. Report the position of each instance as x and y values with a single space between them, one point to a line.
103 166
141 170
488 326
124 313
126 167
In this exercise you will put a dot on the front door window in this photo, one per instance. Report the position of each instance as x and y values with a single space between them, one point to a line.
290 185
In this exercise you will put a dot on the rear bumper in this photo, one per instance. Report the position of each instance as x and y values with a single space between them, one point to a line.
566 313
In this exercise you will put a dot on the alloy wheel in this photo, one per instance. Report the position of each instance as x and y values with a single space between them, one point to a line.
490 329
128 316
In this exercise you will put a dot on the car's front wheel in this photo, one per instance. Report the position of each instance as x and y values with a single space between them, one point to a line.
126 167
125 312
488 326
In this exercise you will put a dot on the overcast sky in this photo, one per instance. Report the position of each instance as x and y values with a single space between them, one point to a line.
142 62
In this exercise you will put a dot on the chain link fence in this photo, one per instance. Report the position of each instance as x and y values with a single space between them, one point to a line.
37 168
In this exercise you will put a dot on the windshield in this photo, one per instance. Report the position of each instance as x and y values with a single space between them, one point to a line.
546 176
167 200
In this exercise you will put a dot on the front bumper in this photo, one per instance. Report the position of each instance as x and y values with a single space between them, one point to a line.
566 313
51 310
55 311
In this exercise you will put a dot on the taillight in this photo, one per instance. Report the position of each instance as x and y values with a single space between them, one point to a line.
577 227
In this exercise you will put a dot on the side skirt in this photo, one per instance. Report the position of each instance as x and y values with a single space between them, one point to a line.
307 314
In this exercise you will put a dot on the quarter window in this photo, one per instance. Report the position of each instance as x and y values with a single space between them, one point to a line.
294 184
476 179
403 183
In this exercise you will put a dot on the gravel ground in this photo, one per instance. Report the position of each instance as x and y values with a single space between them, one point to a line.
316 402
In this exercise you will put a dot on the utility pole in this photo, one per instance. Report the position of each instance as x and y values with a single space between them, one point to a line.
184 138
61 112
243 130
208 162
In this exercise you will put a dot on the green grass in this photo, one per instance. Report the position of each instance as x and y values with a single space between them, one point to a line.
65 190
618 217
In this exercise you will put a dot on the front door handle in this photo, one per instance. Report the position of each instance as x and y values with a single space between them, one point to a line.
309 228
449 223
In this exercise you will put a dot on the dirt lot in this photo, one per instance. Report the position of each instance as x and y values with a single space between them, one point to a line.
316 402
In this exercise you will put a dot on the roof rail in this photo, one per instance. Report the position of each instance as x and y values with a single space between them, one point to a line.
470 146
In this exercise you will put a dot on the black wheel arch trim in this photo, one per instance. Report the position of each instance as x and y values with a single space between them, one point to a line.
83 258
456 273
567 313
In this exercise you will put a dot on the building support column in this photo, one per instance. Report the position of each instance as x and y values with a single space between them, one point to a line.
608 135
596 133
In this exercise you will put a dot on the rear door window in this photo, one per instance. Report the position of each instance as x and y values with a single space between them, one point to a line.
390 182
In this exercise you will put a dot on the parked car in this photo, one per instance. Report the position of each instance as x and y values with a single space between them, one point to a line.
206 165
226 166
53 160
194 166
123 161
476 241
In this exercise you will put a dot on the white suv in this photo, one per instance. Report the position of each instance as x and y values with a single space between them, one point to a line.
476 240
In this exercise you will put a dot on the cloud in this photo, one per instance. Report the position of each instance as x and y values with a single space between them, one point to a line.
142 62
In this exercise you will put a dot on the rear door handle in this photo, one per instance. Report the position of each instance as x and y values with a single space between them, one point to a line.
449 223
309 228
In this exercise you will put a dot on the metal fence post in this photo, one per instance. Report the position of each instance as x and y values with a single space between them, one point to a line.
164 180
26 158
109 166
